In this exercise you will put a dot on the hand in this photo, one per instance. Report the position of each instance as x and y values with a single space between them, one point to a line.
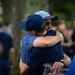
57 67
20 43
69 44
73 43
59 35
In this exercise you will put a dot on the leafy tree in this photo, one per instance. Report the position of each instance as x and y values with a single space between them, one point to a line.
65 10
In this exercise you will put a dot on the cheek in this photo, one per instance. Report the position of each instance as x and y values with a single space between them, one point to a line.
61 28
49 26
46 27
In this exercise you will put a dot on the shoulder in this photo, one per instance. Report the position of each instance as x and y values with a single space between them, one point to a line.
5 35
27 41
29 37
51 32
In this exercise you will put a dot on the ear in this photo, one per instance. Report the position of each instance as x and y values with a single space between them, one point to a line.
33 32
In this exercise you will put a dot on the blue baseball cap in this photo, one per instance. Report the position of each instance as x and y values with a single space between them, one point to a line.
33 22
46 15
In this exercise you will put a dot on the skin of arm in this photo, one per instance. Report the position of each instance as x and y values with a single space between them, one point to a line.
12 55
57 66
45 42
68 44
67 60
73 43
24 69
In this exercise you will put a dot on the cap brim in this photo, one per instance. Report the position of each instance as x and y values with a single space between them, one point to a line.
53 18
22 25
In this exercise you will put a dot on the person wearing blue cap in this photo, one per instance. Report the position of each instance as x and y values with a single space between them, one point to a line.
71 69
35 57
48 18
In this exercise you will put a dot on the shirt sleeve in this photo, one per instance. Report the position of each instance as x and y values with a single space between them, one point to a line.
27 44
27 41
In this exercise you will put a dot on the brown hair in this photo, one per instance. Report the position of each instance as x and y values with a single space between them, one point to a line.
61 22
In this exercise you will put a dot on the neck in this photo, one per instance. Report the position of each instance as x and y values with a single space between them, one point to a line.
37 33
41 34
32 32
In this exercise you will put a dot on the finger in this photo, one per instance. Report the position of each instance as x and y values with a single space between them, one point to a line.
55 67
59 68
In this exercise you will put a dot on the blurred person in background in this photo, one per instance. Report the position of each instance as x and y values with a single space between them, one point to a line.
7 28
7 52
73 40
1 48
67 42
71 70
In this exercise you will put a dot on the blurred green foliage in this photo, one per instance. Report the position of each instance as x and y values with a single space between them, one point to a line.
65 10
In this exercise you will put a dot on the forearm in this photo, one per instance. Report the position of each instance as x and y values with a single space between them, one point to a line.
73 43
46 41
24 69
67 60
67 44
12 54
24 73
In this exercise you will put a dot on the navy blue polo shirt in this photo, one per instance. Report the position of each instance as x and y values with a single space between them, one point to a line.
36 57
7 43
55 52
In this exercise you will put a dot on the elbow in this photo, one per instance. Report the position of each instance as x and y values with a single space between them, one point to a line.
22 72
46 44
21 69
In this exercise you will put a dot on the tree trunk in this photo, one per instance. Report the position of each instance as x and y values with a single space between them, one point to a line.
18 16
51 7
7 10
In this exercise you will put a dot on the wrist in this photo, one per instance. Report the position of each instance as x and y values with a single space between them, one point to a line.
62 61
